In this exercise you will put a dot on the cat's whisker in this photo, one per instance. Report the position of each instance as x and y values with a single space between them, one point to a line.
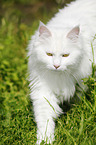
33 83
76 79
43 70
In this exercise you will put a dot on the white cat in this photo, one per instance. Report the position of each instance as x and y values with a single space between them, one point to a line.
60 55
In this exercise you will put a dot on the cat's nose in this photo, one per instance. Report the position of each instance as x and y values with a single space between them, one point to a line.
56 66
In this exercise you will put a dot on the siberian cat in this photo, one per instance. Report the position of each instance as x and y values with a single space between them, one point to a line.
60 55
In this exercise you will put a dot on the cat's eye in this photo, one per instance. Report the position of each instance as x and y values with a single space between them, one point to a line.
65 55
49 54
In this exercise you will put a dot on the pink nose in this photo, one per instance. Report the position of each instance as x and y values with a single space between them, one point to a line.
56 66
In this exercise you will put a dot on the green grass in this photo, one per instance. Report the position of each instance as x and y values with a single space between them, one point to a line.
17 125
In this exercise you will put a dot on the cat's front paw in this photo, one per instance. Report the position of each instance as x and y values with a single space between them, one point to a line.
42 142
45 139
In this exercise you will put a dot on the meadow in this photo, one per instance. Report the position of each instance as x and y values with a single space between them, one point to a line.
77 126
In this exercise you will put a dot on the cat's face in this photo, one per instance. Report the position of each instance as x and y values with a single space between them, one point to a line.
59 52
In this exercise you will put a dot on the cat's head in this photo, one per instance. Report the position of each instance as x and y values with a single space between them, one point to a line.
58 50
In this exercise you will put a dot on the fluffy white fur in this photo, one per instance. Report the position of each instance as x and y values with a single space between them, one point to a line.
53 75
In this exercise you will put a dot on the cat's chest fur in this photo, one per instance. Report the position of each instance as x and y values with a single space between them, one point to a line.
61 84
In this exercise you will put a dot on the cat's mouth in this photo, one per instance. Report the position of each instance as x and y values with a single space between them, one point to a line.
59 69
56 70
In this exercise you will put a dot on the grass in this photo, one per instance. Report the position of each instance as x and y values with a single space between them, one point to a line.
17 125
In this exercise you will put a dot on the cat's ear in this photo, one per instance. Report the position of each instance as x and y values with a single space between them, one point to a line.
43 30
74 33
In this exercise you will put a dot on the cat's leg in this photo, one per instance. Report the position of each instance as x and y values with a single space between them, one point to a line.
45 109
